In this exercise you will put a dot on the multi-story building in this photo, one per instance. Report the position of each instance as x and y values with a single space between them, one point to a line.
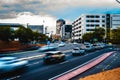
68 31
115 21
38 28
60 27
87 23
63 30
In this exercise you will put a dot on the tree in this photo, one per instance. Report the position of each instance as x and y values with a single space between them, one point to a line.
115 36
24 34
12 36
36 35
99 34
88 37
5 33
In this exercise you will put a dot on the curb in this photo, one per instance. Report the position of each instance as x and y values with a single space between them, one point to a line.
70 74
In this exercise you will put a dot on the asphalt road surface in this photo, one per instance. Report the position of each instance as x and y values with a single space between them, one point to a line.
37 70
110 63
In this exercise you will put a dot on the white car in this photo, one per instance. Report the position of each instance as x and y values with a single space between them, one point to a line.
78 51
9 64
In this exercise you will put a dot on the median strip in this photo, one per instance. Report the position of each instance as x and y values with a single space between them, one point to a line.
80 69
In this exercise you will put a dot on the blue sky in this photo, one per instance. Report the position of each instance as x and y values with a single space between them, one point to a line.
35 11
74 13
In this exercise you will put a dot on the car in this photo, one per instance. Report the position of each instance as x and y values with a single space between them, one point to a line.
75 43
53 56
47 48
10 64
78 51
62 44
89 47
96 46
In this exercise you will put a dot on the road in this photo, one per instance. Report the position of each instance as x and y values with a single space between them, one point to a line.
37 52
110 63
38 71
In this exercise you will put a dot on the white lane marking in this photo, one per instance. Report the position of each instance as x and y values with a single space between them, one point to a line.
64 62
14 78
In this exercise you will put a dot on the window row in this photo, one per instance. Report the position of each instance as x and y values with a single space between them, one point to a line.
94 16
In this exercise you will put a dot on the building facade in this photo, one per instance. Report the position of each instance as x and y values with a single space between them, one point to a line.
87 23
60 28
68 31
115 21
38 28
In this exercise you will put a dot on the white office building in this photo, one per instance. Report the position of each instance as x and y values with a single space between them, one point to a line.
87 23
115 21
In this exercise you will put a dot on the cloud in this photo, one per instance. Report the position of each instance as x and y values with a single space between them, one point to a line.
8 7
32 19
35 11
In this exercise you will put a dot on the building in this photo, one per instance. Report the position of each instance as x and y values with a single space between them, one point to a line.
115 21
38 28
14 25
60 27
88 22
68 31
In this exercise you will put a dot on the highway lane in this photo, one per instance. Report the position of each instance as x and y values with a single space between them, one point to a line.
39 71
110 63
36 52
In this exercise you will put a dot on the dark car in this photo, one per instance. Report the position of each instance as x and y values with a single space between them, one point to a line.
54 56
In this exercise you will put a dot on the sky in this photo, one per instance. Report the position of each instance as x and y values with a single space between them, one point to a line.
46 12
